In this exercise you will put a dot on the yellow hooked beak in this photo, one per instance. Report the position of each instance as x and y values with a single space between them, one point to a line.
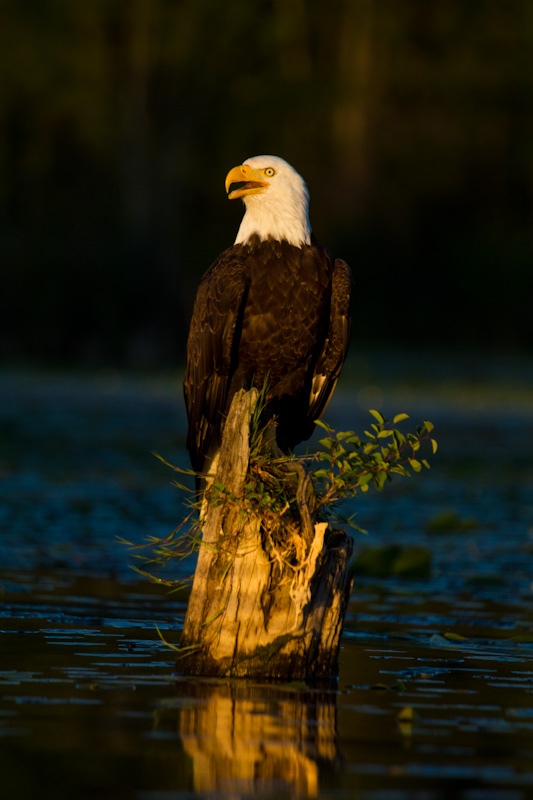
251 181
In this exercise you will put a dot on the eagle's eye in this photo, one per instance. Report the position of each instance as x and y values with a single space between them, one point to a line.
269 172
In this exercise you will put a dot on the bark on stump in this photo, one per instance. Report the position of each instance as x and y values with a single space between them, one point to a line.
245 618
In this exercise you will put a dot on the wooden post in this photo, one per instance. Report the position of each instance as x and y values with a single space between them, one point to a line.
247 615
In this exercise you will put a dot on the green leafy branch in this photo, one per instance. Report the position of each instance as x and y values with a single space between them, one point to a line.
278 489
349 464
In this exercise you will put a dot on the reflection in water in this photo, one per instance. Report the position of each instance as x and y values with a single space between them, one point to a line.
239 734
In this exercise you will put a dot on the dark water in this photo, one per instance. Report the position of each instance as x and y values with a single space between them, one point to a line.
435 692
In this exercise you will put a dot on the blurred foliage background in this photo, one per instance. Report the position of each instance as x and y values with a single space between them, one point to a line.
411 122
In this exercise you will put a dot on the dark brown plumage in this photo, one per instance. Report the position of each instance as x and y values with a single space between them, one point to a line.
266 309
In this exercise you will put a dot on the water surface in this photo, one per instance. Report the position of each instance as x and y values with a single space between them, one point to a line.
435 690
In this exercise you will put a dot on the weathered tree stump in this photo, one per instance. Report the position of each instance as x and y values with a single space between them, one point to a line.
249 616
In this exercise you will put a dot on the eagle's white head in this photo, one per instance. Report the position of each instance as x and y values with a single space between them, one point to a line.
276 200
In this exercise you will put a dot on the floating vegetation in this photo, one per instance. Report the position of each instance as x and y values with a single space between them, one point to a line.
450 521
393 560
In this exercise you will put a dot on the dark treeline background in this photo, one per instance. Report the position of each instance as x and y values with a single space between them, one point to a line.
412 123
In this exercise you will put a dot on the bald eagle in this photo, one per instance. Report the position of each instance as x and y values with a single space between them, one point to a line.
275 306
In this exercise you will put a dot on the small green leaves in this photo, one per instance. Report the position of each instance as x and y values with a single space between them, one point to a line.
379 479
321 424
356 464
400 418
365 478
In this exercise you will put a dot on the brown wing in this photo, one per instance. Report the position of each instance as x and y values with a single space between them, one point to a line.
331 359
211 351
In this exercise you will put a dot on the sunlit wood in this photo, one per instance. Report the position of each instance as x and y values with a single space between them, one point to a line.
245 618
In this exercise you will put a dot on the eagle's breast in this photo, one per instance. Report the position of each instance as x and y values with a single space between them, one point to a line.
287 309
